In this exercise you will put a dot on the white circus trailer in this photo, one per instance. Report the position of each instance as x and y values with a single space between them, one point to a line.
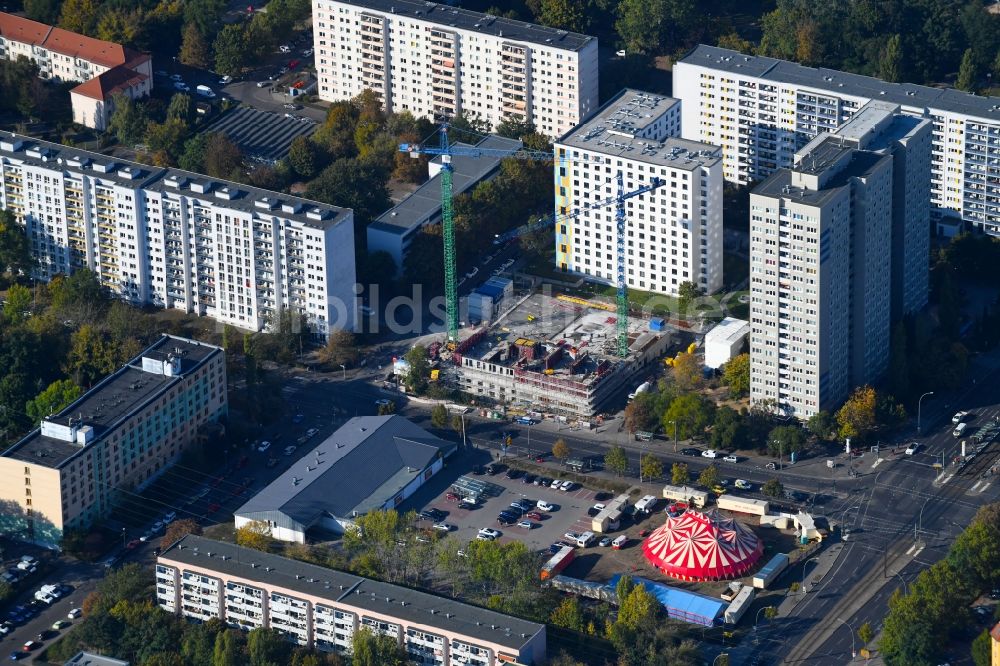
740 604
686 494
770 571
743 505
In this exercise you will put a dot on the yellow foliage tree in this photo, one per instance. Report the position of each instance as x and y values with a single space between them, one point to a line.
255 534
857 417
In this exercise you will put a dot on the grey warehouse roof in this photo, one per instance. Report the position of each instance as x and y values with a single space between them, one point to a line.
617 130
57 157
115 398
843 83
363 594
362 465
90 659
509 29
425 202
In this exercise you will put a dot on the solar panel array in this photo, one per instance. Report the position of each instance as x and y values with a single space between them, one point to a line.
263 137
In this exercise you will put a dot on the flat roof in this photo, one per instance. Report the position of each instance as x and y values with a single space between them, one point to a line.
728 329
618 127
779 183
486 24
57 157
425 202
362 594
844 83
361 466
261 135
91 659
116 398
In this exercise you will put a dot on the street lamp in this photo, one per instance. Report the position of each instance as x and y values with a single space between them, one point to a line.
757 618
465 443
123 537
918 408
675 434
343 370
804 564
900 576
719 656
780 452
919 525
854 652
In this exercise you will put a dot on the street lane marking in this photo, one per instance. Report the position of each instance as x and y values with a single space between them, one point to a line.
919 550
975 487
876 463
944 478
985 486
909 551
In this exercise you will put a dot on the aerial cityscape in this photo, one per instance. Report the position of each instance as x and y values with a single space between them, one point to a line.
537 333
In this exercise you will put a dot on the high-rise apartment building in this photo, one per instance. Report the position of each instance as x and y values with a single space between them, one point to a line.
102 68
118 436
674 233
182 240
322 608
437 61
762 110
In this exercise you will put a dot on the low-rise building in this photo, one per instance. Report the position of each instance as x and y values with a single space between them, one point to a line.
725 341
103 68
322 608
369 463
120 435
91 659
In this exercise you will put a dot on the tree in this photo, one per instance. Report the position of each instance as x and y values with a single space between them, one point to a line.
982 649
256 534
638 610
44 11
709 477
687 292
15 250
179 529
417 376
228 649
857 415
560 450
564 14
181 108
267 647
386 408
772 488
568 614
692 413
194 48
193 157
736 375
370 649
822 424
223 158
679 474
640 413
729 429
18 304
53 399
733 41
866 633
79 16
128 119
167 138
230 48
354 184
303 157
439 416
890 61
340 349
616 460
783 440
654 26
650 467
205 15
967 74
688 373
90 357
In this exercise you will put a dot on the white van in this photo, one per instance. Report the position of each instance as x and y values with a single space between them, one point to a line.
585 539
205 91
959 429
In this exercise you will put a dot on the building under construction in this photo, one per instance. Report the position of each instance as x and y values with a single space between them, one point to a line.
557 355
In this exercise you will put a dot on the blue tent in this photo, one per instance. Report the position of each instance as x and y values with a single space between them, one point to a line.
680 604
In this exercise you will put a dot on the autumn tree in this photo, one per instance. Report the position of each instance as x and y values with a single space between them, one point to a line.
439 416
303 157
371 649
616 460
679 474
857 416
568 614
709 477
223 158
564 14
17 307
340 349
561 450
80 16
230 48
128 119
784 440
736 375
772 488
194 49
418 375
691 413
15 249
179 529
688 372
650 467
640 413
255 534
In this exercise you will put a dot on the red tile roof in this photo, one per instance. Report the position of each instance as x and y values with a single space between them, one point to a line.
112 81
23 30
62 41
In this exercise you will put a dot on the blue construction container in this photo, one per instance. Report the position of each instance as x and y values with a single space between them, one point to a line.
657 324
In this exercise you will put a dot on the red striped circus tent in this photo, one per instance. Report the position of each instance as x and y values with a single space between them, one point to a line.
703 547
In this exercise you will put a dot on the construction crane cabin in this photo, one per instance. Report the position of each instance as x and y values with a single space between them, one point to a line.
446 150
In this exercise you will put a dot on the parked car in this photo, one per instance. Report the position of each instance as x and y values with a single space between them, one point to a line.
771 465
467 503
731 458
566 486
690 452
59 624
545 506
959 417
489 532
534 515
709 453
311 432
572 536
75 613
743 484
213 507
513 473
31 645
912 448
605 542
452 497
263 84
289 450
264 446
525 524
285 48
443 527
225 80
17 656
555 484
528 478
6 628
436 515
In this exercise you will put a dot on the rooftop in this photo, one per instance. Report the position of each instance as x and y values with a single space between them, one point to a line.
89 659
728 329
779 184
68 43
113 400
843 83
625 127
29 150
486 24
262 136
350 590
425 202
103 86
358 468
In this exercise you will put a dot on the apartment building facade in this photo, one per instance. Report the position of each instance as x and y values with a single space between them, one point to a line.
437 61
762 111
102 68
118 436
322 608
820 246
181 240
672 234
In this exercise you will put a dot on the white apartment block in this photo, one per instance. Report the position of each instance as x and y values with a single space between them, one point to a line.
820 246
322 608
102 68
437 61
762 110
674 233
120 435
181 240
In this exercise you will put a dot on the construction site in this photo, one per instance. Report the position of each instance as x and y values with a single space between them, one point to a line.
557 355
